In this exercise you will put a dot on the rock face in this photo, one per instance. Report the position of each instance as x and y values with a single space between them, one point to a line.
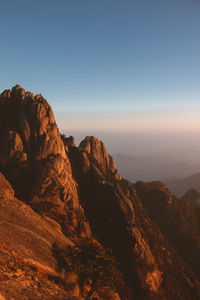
68 141
31 118
164 209
120 222
97 150
189 205
33 157
73 207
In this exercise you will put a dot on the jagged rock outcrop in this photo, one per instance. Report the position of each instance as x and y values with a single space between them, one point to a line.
31 118
119 222
111 214
97 150
33 157
68 141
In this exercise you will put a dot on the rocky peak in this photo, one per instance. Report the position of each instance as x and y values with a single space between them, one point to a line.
18 91
157 191
192 197
97 150
68 141
33 156
32 118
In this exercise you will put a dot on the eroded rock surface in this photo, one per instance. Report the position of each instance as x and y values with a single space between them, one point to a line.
97 150
164 209
189 205
73 206
33 157
120 222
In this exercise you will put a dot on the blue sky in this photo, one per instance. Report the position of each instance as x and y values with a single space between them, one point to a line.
106 64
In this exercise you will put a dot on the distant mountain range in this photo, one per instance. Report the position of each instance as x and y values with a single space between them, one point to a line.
179 186
167 167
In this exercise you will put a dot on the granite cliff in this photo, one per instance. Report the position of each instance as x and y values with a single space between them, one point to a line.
72 227
34 160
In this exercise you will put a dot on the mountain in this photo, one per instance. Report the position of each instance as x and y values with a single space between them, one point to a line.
164 210
179 186
72 228
189 205
160 166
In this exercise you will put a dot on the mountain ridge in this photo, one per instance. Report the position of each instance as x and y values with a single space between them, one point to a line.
114 248
161 166
179 186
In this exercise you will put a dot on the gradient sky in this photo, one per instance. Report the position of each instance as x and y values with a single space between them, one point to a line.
106 64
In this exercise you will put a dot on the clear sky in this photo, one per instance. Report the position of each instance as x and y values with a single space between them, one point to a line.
106 64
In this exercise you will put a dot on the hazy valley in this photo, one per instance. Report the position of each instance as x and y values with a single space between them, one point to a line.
179 174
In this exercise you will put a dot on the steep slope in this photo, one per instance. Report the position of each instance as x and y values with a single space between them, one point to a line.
118 220
33 158
189 205
97 150
164 209
28 264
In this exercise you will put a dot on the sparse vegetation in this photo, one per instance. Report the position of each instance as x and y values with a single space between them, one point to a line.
96 268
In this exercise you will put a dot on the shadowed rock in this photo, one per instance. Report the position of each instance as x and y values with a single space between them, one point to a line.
164 209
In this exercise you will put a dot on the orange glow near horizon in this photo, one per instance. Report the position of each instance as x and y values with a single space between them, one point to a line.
129 120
